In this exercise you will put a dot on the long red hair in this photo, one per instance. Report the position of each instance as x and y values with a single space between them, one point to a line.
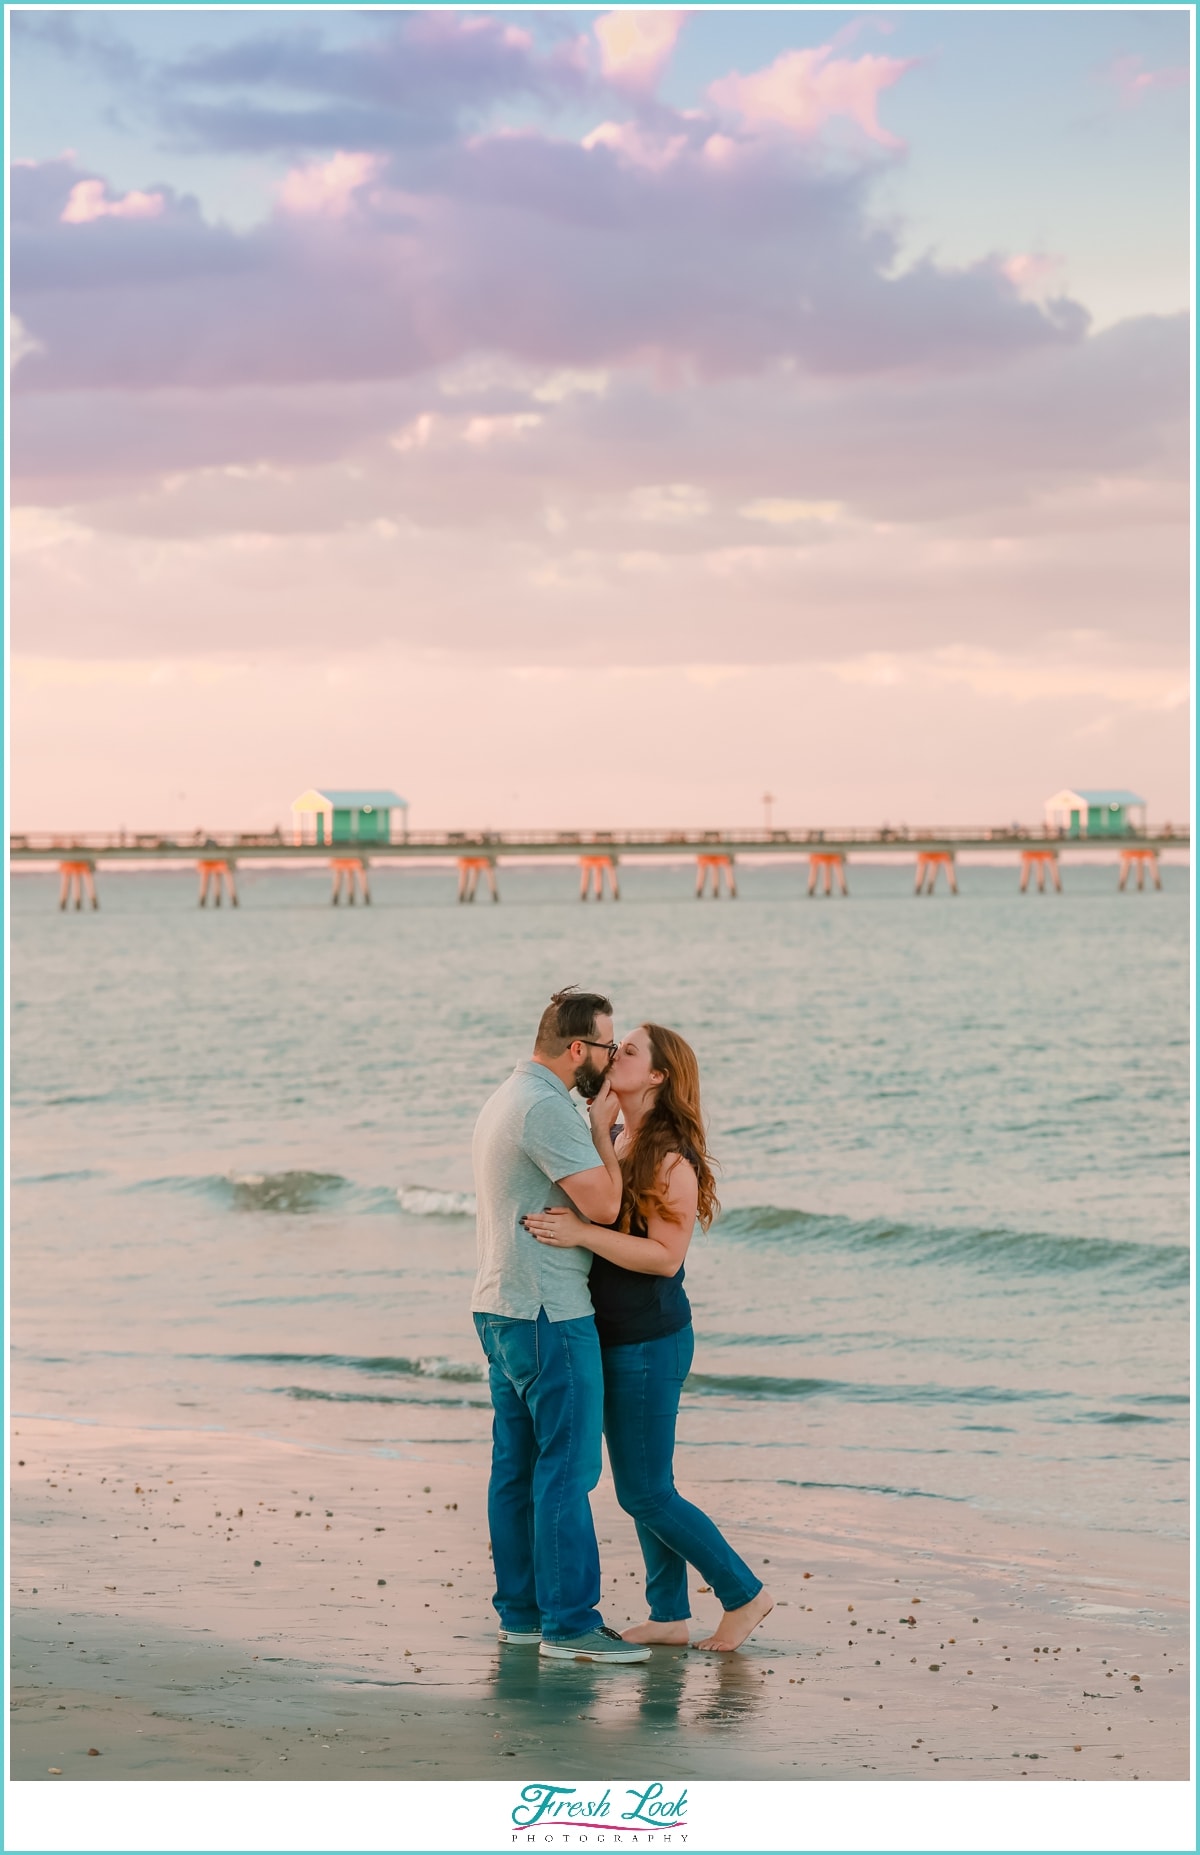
674 1124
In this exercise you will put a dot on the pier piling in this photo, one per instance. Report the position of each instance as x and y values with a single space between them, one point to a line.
75 877
593 872
720 868
1141 860
349 873
830 865
929 865
1038 863
216 873
469 871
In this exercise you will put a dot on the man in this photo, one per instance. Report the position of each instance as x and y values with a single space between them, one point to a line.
533 1314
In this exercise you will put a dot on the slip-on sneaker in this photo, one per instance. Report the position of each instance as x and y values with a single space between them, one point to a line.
519 1636
602 1645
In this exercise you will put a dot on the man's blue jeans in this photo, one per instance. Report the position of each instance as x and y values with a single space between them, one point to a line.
642 1383
548 1398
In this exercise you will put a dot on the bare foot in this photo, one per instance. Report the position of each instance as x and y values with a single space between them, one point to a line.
676 1633
734 1627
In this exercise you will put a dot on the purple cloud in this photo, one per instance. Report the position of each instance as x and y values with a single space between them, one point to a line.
964 450
445 63
710 255
93 261
79 38
419 79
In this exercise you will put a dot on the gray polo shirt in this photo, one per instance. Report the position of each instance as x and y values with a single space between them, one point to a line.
529 1134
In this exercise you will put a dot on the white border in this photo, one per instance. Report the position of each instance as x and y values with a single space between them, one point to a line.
788 1816
784 1815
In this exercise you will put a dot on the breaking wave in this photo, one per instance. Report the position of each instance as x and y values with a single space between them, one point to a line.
388 1365
425 1201
999 1251
986 1251
295 1192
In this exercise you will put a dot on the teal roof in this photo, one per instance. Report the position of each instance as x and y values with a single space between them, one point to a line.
348 799
1106 797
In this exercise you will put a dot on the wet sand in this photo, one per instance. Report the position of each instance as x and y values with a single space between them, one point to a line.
193 1604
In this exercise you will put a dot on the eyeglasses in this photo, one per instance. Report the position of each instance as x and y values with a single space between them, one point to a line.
612 1048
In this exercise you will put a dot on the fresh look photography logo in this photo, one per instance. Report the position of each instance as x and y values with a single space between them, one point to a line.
556 1813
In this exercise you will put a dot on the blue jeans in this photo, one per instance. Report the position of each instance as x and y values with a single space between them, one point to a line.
547 1397
642 1383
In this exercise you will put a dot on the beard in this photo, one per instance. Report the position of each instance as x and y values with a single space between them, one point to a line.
589 1080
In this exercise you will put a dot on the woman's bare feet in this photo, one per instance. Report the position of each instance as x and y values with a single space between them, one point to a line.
675 1633
734 1627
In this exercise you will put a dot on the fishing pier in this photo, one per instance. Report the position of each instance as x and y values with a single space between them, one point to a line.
478 857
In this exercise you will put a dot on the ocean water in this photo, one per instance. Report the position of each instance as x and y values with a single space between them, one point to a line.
953 1261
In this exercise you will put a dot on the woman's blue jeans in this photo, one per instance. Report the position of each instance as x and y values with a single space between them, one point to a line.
642 1383
547 1392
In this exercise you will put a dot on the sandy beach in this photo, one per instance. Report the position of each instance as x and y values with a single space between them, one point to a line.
191 1604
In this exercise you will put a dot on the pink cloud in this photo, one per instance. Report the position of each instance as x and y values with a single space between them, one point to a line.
1133 84
863 23
514 37
1031 271
635 47
87 201
635 143
803 90
327 187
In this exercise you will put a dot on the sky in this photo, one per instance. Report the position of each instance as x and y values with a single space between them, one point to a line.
585 419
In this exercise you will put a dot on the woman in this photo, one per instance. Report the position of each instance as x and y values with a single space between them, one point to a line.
645 1328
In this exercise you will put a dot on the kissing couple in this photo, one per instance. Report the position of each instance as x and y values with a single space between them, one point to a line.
580 1308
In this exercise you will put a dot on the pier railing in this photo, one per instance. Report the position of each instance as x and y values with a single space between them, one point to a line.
136 844
478 854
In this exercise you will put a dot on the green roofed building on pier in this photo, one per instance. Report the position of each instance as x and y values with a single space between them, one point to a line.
1096 812
337 815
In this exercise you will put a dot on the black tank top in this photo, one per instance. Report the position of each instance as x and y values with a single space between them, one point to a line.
632 1307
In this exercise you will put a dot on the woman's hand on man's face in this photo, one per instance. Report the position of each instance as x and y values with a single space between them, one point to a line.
558 1226
603 1109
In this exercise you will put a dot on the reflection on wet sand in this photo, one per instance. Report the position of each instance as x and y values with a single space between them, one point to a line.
675 1688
